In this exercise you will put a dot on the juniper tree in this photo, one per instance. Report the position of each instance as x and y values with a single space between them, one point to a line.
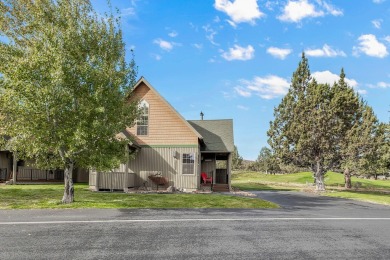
304 130
64 81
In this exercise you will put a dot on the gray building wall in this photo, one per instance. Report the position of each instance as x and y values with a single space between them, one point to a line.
169 162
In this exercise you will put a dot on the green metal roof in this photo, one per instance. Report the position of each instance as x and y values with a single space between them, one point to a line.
217 134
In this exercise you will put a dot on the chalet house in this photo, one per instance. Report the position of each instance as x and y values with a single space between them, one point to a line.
176 150
165 150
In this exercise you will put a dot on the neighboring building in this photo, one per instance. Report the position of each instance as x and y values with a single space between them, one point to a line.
179 150
27 173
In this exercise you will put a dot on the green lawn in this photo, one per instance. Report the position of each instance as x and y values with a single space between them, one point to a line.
49 196
366 190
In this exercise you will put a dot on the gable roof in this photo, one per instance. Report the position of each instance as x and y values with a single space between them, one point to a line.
143 80
217 134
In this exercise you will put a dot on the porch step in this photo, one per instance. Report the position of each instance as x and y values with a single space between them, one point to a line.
221 187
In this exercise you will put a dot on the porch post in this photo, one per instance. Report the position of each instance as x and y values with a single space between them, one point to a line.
229 170
215 169
14 167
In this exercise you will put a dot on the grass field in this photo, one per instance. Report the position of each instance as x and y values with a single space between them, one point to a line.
49 196
366 190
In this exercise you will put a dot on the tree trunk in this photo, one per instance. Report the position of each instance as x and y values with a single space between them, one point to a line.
347 179
68 180
319 174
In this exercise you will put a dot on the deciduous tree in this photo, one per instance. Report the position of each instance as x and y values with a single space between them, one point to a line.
64 83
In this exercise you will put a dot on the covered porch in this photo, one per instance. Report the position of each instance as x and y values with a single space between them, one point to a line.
217 167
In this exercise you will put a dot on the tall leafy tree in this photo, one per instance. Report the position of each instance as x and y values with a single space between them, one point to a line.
304 129
64 85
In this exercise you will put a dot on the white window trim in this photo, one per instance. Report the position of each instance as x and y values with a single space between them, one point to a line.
141 104
182 164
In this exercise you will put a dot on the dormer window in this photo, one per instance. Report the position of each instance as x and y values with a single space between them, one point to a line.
143 118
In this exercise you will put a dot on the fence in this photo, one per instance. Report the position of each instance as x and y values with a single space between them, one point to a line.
33 174
111 180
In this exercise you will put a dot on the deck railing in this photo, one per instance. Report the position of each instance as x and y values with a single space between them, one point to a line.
33 174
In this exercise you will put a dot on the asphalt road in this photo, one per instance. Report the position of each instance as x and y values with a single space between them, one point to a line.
306 227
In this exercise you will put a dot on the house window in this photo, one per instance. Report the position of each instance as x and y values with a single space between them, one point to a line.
143 118
188 163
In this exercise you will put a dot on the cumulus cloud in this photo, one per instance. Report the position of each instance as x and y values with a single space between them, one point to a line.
239 53
369 45
295 11
327 77
268 87
325 51
278 52
239 11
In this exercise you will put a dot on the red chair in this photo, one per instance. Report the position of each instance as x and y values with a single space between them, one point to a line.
205 178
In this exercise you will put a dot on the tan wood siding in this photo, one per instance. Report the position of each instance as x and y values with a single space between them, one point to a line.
165 126
152 160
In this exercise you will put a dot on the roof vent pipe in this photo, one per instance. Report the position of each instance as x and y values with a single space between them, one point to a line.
201 115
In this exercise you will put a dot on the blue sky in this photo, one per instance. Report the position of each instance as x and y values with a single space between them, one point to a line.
235 58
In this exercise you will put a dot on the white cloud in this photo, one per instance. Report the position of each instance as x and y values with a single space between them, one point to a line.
242 92
278 52
268 87
378 1
330 9
210 34
240 11
295 11
377 23
327 77
325 51
369 45
165 45
380 84
239 53
387 38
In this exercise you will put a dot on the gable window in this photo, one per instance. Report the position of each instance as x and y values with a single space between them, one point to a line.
188 163
143 118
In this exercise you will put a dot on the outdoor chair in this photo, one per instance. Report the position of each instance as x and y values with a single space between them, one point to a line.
205 178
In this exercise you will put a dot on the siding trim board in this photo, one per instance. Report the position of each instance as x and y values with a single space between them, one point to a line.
170 146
